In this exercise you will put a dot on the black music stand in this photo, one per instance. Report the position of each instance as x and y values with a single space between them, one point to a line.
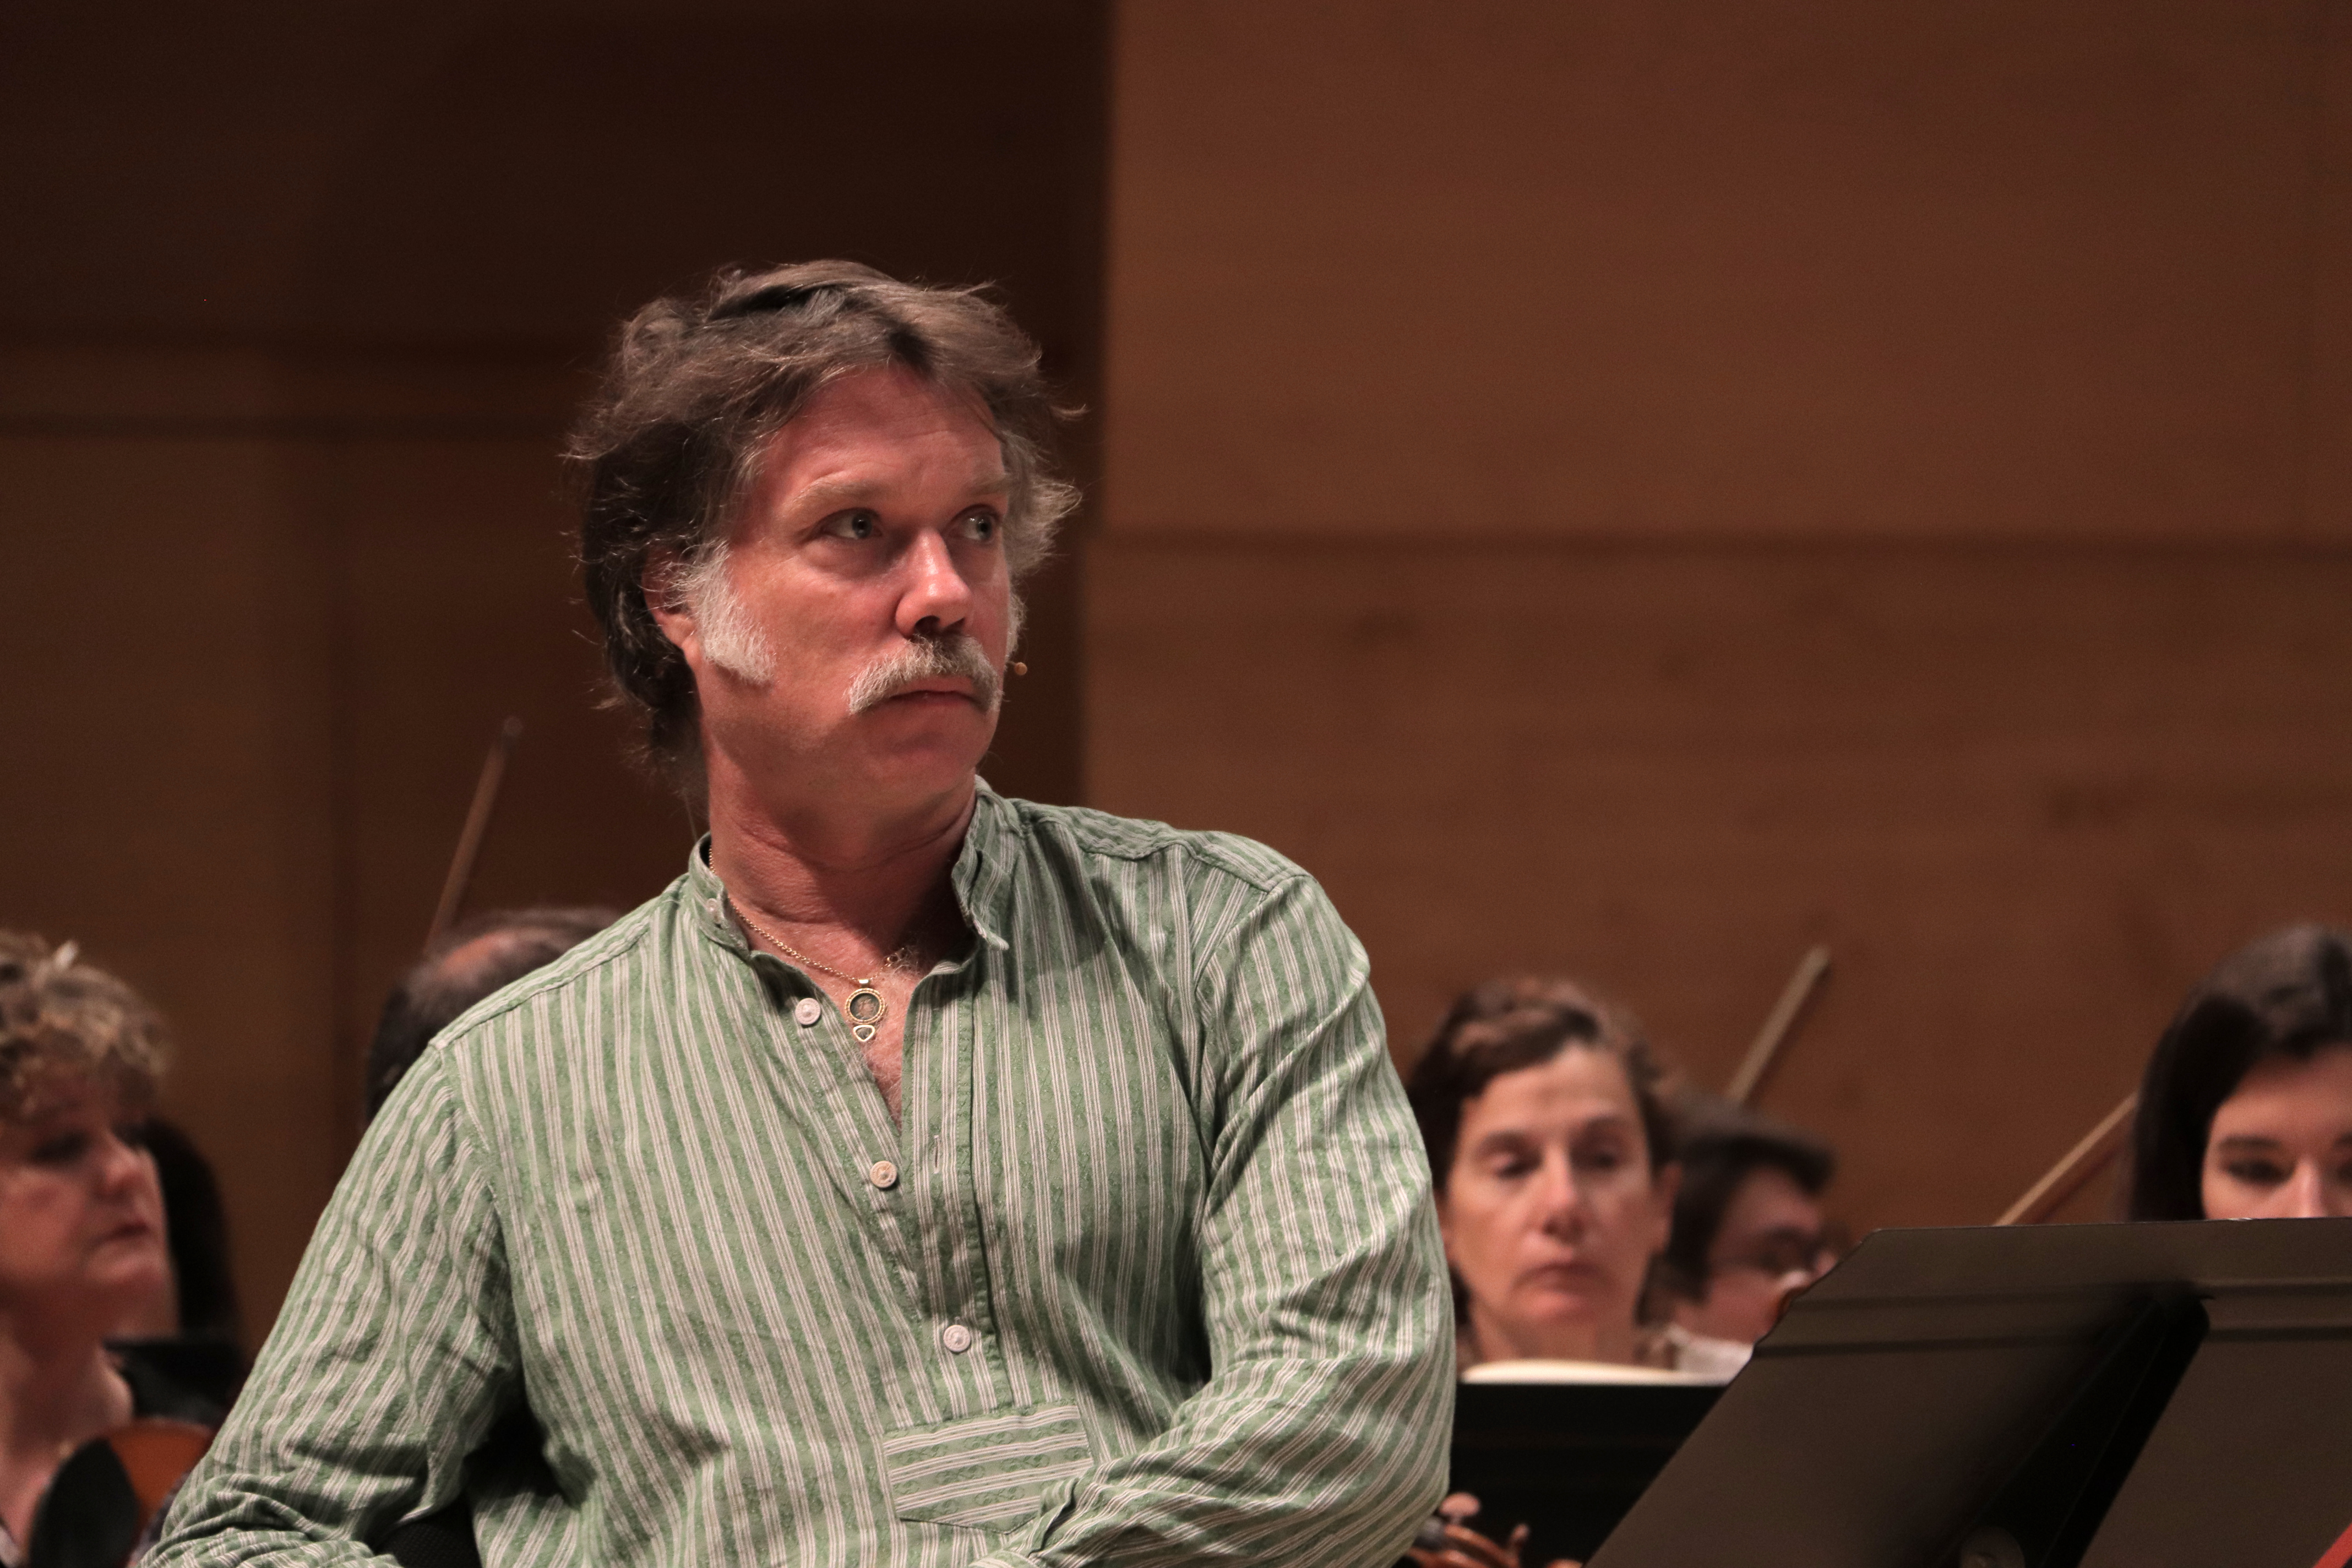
2039 1396
1566 1459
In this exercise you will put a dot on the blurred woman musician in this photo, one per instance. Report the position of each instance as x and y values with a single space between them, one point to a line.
1549 1147
82 1248
2245 1111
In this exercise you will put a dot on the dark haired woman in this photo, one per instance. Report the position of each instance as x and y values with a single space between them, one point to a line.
2245 1111
1549 1150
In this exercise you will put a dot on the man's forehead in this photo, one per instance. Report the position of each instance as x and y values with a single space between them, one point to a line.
878 428
1769 1194
852 486
889 407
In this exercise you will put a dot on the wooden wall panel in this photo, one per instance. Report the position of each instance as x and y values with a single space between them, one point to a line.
2026 796
168 785
1505 266
1640 489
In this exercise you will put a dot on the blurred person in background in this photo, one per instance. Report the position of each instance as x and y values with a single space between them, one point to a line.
203 1308
2245 1110
479 954
190 1333
1747 1223
1551 1154
82 1245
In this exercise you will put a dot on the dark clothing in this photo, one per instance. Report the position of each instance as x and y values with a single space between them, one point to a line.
91 1516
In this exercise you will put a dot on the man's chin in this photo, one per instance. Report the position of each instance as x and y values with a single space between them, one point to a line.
935 740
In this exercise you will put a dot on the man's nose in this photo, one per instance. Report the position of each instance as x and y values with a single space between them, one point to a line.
937 598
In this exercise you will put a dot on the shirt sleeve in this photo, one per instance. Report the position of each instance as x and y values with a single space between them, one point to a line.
1321 1434
392 1356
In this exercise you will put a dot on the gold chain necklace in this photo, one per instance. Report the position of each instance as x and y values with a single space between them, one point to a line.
865 1007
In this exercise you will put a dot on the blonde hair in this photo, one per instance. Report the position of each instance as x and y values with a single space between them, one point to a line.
62 1020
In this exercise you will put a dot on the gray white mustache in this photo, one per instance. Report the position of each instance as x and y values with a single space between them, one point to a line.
958 655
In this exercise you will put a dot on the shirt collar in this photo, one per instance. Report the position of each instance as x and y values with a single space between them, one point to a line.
982 877
706 899
983 870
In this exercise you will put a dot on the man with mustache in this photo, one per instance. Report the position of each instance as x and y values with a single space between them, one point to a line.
925 1177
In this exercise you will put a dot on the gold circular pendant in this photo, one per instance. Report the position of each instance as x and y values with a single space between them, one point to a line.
865 1005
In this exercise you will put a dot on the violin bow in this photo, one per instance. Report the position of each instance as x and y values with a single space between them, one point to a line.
478 823
1778 1025
2085 1159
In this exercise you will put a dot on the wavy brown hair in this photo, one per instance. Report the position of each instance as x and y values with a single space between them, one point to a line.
61 1020
1524 1022
697 385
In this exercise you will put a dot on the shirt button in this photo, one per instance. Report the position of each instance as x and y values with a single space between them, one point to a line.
956 1338
807 1011
883 1174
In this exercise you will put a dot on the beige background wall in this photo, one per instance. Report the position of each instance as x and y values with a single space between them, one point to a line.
295 306
1637 488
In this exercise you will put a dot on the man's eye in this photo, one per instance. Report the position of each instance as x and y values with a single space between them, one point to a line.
858 524
1781 1255
981 525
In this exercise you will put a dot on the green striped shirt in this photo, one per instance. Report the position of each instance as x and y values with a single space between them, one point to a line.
1148 1275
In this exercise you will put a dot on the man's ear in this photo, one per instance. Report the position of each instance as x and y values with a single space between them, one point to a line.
659 584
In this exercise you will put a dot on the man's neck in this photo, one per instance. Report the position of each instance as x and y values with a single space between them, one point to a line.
835 871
